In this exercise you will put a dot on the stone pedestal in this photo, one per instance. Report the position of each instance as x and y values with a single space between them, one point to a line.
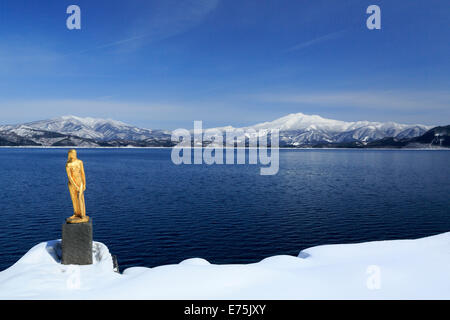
77 243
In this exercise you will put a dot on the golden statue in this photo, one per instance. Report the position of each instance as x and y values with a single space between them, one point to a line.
77 185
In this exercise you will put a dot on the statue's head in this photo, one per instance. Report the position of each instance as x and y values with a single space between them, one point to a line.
72 155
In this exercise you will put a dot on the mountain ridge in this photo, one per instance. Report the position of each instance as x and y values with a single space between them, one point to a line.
296 130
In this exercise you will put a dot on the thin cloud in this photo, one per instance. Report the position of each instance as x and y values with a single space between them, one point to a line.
324 38
111 44
41 109
380 100
168 19
155 114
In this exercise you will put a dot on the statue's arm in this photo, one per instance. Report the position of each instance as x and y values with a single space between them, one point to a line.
83 176
70 177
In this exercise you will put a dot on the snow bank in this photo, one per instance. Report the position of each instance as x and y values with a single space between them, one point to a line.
400 269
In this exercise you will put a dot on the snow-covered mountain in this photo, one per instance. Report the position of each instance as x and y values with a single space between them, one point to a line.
91 128
76 131
300 129
296 130
25 136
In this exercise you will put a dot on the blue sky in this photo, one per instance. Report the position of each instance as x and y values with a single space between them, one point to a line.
165 63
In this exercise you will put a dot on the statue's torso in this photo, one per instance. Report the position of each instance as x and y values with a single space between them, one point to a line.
75 171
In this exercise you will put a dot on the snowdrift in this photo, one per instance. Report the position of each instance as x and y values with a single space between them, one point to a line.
397 269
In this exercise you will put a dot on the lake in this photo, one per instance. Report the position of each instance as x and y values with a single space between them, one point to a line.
150 212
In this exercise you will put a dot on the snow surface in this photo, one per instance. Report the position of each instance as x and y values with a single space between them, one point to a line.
408 269
300 121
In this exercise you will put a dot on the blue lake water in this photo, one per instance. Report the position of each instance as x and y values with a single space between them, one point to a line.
151 212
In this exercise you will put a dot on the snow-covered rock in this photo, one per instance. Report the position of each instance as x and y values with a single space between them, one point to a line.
396 269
